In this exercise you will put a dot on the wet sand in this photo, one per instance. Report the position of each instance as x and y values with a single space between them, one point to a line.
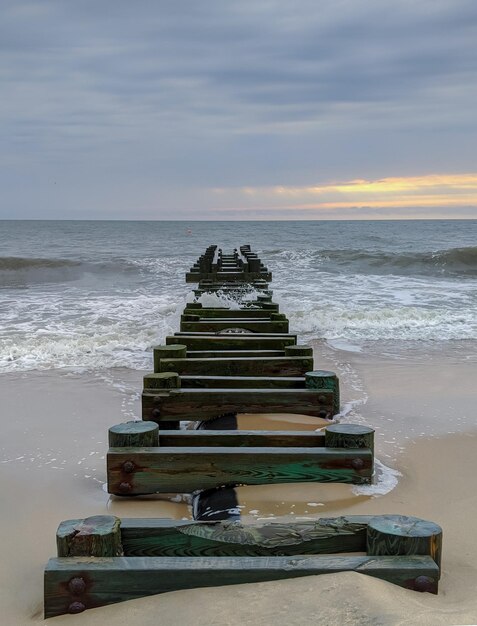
52 467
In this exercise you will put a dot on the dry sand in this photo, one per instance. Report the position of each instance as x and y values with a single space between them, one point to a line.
54 438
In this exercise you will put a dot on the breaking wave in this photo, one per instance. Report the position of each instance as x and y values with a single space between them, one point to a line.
451 262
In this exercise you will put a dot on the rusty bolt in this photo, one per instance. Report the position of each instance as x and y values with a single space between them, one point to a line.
357 464
424 583
322 398
125 487
76 607
128 467
77 586
156 413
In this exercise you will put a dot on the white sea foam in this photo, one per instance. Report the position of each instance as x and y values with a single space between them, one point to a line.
385 480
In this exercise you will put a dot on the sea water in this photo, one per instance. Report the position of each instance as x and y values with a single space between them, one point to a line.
92 295
84 296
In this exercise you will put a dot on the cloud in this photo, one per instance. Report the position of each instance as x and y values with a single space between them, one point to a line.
185 96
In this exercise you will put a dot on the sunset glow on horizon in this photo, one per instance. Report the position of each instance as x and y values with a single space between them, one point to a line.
432 190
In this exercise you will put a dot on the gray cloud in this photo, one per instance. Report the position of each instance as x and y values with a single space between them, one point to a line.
111 106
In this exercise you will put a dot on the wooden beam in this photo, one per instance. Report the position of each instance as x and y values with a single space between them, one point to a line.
203 404
240 382
241 438
260 326
163 537
111 580
268 366
184 470
232 342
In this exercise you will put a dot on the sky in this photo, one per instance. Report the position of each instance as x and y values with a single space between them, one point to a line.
246 109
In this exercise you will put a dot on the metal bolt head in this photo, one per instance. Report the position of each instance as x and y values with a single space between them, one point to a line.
323 414
156 413
425 583
76 607
128 467
77 586
125 487
357 464
322 398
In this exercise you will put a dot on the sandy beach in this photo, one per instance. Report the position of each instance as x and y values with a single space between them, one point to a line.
53 468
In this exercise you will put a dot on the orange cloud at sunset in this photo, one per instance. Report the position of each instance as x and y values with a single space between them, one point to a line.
433 190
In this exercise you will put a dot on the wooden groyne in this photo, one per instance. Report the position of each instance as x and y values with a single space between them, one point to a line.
221 363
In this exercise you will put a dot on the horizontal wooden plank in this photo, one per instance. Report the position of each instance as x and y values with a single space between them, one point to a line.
264 365
232 342
242 438
260 326
211 354
229 313
184 470
163 537
203 404
243 382
112 580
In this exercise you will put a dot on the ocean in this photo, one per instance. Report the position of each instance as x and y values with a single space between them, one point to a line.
90 295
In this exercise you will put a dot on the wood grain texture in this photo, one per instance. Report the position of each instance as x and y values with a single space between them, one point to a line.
99 535
184 470
268 366
256 326
203 404
134 434
232 342
224 314
145 537
242 382
404 535
108 581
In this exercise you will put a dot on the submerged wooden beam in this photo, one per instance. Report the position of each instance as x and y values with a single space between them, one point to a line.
184 470
111 580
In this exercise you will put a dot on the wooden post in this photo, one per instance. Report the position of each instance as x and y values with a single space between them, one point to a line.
399 535
349 436
134 435
162 380
298 351
323 379
176 351
99 535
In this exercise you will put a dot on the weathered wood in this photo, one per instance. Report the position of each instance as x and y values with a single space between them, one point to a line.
162 380
108 581
239 366
323 379
349 436
203 404
94 536
242 438
214 325
215 313
184 470
211 354
298 350
176 351
134 434
163 537
403 535
242 382
232 342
